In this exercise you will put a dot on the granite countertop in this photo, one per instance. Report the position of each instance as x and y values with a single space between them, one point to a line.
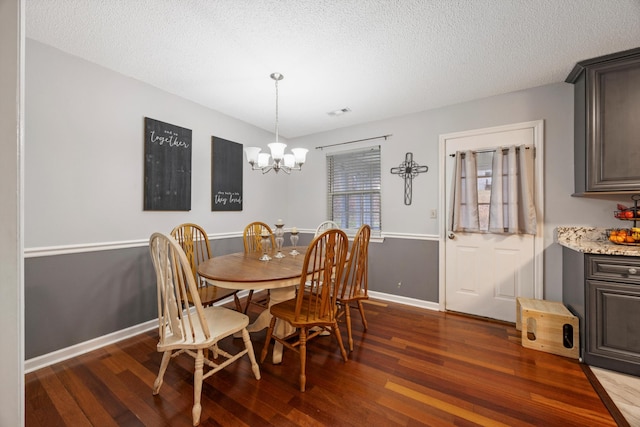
592 240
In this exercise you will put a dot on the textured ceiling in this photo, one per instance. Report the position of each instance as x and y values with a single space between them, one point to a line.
379 58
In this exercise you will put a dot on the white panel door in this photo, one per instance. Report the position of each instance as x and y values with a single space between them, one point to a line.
485 272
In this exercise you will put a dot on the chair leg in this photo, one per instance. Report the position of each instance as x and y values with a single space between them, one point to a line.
348 322
336 332
249 346
236 301
246 307
197 387
303 358
364 319
166 357
267 339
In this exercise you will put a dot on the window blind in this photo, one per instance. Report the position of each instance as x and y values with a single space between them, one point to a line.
354 188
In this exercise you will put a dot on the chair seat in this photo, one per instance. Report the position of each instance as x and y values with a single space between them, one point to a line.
221 321
359 295
286 310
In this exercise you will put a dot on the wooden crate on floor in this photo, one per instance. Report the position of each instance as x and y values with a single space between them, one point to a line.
547 326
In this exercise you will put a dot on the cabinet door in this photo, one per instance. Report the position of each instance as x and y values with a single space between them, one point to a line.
613 330
613 128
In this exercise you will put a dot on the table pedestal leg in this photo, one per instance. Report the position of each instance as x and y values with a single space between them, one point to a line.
282 329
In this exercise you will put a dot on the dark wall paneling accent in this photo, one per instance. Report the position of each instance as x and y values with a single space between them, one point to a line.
74 298
226 175
167 167
226 246
412 262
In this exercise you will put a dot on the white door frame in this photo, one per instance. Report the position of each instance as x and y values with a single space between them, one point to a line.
538 261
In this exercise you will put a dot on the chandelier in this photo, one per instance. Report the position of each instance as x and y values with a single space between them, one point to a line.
281 161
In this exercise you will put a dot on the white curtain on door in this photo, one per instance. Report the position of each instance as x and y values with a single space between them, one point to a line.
464 193
512 209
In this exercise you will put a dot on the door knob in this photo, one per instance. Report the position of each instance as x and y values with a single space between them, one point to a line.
451 236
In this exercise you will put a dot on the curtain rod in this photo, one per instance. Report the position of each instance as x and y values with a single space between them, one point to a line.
357 140
488 150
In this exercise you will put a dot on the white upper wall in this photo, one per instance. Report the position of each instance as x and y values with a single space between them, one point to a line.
85 156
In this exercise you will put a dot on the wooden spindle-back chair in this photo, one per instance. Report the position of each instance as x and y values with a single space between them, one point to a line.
252 239
315 305
185 326
355 285
195 244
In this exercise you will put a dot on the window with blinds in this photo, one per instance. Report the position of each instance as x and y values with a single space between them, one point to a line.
354 188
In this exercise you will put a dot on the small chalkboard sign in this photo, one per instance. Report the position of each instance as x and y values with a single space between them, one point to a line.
226 175
167 167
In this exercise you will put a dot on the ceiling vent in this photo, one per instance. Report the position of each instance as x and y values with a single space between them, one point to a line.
339 112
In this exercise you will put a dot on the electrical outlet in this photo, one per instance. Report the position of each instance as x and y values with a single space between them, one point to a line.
434 213
399 284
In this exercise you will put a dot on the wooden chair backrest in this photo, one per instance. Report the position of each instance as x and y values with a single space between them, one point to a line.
177 315
318 290
252 237
324 226
195 244
355 278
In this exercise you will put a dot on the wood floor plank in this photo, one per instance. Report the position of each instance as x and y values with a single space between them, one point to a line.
87 401
446 407
412 367
64 403
39 408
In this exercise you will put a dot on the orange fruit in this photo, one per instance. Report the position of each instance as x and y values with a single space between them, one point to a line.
630 239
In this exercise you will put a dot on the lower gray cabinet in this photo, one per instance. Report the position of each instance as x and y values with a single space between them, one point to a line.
604 292
613 313
613 326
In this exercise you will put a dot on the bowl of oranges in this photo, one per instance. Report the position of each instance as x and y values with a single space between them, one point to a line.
624 236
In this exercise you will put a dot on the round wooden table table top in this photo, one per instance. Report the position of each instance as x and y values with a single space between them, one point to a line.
246 271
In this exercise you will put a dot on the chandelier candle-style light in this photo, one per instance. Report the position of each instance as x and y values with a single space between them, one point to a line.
281 161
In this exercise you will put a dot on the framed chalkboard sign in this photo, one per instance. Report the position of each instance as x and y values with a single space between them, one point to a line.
226 175
167 167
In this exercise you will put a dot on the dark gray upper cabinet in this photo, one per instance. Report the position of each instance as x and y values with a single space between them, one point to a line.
607 123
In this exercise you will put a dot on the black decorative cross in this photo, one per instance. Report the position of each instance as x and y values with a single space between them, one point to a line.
408 170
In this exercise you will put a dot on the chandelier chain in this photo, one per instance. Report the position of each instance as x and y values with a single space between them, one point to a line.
277 119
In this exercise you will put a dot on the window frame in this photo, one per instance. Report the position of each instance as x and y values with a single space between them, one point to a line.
370 203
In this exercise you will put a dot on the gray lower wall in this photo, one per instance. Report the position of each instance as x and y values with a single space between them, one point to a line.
411 262
74 298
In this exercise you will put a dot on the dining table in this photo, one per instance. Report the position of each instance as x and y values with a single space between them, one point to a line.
246 271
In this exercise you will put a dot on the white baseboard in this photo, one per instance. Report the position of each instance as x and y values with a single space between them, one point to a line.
96 343
429 305
87 346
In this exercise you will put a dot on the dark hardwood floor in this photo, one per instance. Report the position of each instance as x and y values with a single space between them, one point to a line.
413 367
